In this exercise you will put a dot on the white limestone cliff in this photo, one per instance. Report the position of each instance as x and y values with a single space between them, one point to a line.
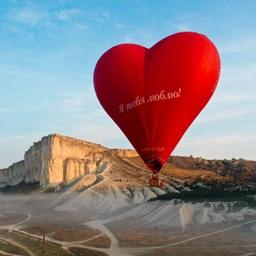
57 159
12 175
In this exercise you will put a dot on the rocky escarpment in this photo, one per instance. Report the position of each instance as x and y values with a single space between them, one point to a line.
238 168
57 159
61 163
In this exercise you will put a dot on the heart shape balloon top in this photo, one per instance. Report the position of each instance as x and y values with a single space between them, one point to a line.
154 94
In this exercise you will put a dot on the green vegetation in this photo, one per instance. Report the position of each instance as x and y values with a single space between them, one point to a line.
248 197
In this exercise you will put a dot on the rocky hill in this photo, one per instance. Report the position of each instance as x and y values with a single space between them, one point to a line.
57 159
60 163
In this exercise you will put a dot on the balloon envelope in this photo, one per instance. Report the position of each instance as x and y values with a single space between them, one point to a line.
154 94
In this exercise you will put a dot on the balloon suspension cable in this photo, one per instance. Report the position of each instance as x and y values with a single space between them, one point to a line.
154 165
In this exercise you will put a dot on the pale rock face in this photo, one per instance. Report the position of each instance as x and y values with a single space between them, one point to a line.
158 191
57 159
37 160
92 166
12 175
138 196
73 169
148 194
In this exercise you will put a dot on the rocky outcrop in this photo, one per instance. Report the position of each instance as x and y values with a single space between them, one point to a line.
125 152
12 175
234 167
57 159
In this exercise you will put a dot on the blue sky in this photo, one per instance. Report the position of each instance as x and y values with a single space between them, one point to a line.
48 51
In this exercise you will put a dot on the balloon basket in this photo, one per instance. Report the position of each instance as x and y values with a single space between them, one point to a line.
154 181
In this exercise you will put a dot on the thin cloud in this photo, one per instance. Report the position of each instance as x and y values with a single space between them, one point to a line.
219 146
240 45
28 16
78 101
184 27
235 97
105 14
218 114
67 14
119 26
129 38
241 75
35 15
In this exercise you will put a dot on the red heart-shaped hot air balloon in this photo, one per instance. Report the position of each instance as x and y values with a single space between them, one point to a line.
154 94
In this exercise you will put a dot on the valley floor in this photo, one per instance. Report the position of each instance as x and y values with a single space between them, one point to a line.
53 225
